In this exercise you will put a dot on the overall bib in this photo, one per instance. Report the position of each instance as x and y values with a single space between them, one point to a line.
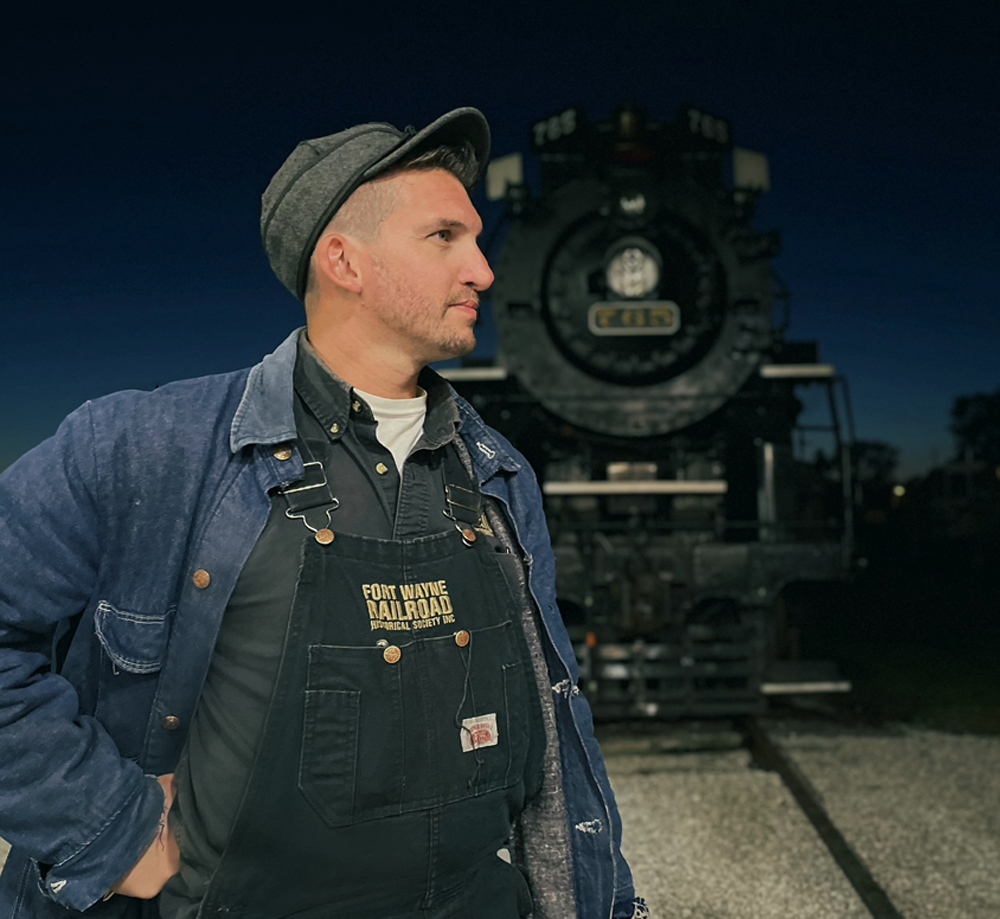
394 754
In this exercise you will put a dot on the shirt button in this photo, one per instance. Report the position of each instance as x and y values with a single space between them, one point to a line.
171 722
356 405
381 469
335 428
201 579
462 638
282 453
392 654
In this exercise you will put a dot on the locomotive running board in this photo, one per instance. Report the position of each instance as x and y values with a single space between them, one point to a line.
464 374
791 678
638 487
797 371
791 689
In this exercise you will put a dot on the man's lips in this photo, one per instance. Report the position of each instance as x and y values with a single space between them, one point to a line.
472 306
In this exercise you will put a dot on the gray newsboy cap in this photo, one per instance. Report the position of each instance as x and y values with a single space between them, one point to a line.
321 174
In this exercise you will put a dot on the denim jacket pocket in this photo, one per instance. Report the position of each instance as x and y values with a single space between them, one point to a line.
135 642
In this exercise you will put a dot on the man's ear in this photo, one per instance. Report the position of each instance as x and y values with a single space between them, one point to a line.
337 258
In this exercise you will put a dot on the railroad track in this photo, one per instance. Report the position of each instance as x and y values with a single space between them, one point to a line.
767 754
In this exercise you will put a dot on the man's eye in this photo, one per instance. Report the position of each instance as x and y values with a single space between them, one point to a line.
443 234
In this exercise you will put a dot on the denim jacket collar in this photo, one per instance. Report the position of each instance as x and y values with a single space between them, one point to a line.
489 452
265 414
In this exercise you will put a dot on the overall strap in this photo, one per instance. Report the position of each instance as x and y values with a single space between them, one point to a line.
464 502
313 489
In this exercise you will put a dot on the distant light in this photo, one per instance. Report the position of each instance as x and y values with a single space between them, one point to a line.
899 491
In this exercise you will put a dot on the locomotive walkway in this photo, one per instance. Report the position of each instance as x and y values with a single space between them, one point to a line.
916 815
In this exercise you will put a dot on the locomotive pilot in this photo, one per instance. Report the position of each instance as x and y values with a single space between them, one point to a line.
284 642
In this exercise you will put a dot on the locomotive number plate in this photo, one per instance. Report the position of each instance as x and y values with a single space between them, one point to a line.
649 317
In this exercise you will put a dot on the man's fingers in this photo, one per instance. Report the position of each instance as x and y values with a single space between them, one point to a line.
169 789
161 860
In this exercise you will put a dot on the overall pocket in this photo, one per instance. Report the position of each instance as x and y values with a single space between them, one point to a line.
329 761
441 723
351 716
464 736
517 706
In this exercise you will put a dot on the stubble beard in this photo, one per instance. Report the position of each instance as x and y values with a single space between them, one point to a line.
427 326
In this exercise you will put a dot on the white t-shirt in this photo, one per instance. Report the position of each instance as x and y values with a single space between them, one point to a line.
400 422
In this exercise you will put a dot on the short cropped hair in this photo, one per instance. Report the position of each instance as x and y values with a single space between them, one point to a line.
361 215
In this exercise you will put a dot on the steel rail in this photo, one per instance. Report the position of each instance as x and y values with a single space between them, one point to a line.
768 755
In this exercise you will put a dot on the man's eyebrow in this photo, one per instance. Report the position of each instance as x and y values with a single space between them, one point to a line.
443 223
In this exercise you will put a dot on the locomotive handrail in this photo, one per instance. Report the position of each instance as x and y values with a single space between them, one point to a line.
491 372
767 371
797 371
660 487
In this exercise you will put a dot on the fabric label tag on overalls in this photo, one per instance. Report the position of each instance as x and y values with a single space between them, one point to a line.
480 731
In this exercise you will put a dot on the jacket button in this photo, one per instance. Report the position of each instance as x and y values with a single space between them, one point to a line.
381 469
392 654
325 536
201 579
282 453
469 535
462 638
171 722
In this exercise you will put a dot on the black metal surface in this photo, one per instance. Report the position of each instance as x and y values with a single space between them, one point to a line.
634 310
703 671
550 273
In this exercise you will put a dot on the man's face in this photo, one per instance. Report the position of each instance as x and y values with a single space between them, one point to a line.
426 269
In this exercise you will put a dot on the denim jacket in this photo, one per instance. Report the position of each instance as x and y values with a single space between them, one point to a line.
121 538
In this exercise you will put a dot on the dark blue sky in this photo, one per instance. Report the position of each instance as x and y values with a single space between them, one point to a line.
135 147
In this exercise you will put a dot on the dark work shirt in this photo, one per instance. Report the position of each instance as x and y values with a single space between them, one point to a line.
337 428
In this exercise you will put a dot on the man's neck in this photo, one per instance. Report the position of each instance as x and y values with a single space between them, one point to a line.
365 367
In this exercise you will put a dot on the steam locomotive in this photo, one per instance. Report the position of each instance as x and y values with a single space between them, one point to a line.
642 368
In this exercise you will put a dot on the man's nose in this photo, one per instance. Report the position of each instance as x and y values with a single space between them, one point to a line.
478 274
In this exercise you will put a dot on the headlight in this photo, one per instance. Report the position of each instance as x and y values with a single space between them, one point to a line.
633 273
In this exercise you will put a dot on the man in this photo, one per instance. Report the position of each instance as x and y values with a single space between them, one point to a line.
284 642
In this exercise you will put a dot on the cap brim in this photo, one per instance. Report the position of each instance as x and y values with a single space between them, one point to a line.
455 127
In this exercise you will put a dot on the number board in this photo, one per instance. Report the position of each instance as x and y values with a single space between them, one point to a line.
630 317
556 128
706 128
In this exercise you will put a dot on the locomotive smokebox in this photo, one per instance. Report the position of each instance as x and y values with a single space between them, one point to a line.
636 299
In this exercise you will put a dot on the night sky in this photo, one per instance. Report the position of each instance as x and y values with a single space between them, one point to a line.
135 147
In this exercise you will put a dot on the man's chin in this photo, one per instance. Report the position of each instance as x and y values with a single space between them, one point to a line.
454 347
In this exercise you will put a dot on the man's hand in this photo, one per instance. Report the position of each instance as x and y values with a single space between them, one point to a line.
161 861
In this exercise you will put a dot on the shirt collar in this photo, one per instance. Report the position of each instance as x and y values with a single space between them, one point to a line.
334 402
328 397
